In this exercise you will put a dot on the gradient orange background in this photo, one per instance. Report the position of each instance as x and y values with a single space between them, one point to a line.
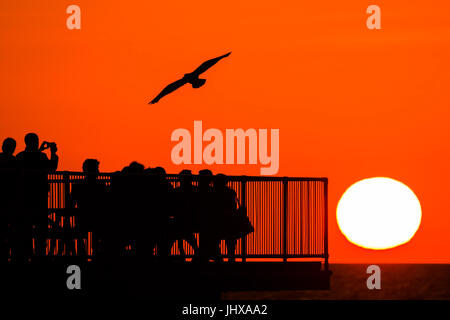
350 103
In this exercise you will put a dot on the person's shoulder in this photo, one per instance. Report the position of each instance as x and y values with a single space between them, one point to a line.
11 159
20 155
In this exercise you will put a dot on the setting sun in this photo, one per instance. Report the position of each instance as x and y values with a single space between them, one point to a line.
379 213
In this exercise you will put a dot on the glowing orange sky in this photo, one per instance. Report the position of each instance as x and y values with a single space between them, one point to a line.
350 103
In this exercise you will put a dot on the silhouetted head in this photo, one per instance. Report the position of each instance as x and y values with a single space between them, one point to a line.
205 172
134 167
149 170
220 181
91 167
9 146
205 178
185 178
159 171
32 141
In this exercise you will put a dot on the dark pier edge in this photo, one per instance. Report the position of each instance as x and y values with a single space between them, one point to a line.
131 278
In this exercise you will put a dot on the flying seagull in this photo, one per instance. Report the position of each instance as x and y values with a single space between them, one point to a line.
192 78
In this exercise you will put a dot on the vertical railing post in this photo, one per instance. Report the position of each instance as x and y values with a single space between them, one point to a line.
66 182
325 238
243 203
285 196
64 204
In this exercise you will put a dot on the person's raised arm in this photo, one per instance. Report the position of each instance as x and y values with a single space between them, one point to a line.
54 159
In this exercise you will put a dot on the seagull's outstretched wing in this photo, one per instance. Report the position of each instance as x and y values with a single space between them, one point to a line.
208 64
170 88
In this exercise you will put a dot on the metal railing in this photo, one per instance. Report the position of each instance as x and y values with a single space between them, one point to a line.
289 215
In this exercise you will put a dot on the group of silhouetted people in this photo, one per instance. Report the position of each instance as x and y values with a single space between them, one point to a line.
139 209
24 191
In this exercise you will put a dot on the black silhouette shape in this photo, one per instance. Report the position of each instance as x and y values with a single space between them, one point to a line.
140 212
6 156
127 222
192 78
231 221
130 191
8 192
89 196
35 167
185 217
209 248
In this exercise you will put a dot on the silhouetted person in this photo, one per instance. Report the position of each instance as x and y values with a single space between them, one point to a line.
8 193
209 240
128 195
225 202
160 219
185 215
89 197
35 167
153 219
